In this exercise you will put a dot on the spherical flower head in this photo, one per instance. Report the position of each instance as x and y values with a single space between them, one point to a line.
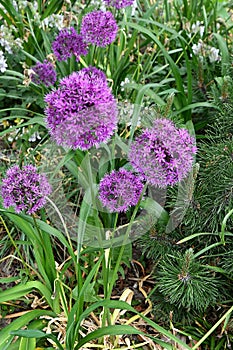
119 4
25 189
162 154
68 43
120 190
82 112
44 73
99 28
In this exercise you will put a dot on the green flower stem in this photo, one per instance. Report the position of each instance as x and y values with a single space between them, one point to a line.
62 220
106 269
118 262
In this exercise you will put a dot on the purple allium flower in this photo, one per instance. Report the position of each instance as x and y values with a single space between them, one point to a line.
68 43
162 154
25 189
44 73
99 28
119 4
120 190
82 112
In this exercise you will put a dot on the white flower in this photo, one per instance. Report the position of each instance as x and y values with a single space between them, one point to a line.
126 81
34 137
214 55
99 3
134 7
3 64
197 27
199 48
55 20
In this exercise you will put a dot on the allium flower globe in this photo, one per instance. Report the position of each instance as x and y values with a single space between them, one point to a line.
99 28
162 154
120 190
82 112
44 73
25 189
68 43
118 4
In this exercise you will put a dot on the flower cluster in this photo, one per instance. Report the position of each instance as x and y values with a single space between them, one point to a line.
203 50
44 73
68 43
99 28
25 189
120 190
53 21
7 39
118 4
163 154
82 112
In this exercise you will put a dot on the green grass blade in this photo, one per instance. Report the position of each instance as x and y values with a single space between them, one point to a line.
225 61
110 330
21 290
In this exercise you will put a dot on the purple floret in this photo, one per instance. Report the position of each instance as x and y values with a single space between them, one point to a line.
163 154
82 112
99 28
68 43
44 73
25 189
119 4
120 190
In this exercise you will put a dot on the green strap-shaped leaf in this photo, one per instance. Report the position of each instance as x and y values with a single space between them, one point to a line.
22 321
27 344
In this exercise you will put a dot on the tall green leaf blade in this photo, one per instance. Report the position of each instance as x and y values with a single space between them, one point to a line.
27 344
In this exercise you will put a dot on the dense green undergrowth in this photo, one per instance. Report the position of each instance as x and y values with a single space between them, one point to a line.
67 269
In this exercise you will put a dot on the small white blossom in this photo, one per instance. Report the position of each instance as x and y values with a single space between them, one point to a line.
3 64
214 55
197 27
126 81
199 48
15 5
34 137
99 3
134 8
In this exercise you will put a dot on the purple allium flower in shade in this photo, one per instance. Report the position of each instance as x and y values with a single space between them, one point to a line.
119 4
82 112
99 28
162 154
25 189
44 73
68 43
120 190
